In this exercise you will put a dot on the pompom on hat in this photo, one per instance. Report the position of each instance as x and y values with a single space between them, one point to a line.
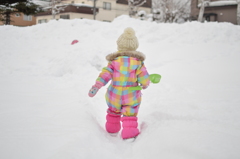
127 41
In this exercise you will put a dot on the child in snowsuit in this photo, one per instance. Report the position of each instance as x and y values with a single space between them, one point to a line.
125 69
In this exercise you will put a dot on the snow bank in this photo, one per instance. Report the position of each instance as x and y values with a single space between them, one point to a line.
46 113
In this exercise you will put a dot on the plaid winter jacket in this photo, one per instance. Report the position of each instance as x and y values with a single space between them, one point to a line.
125 69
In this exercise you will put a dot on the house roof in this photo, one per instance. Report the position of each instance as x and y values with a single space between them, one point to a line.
148 3
74 8
220 3
41 3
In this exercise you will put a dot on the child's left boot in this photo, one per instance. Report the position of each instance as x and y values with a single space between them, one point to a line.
130 127
113 124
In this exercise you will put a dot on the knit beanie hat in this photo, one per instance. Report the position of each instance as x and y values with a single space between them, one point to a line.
127 41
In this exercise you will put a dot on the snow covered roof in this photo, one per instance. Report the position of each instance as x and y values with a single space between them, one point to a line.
222 3
68 7
46 4
70 4
81 5
148 3
41 3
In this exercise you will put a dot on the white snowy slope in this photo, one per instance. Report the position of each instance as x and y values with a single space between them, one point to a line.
45 112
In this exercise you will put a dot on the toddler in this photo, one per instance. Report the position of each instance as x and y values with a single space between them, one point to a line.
125 69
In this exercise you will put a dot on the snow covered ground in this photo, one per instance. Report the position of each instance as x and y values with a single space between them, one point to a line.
45 112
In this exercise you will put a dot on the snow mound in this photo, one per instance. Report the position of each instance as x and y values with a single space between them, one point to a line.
192 113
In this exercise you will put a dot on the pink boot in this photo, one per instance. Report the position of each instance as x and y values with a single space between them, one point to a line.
130 129
113 123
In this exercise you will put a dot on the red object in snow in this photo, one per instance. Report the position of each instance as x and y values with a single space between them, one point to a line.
74 42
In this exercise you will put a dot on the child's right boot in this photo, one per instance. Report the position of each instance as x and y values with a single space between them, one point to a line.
130 129
113 124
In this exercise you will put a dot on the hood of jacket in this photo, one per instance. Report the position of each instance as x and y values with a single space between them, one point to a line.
126 62
140 56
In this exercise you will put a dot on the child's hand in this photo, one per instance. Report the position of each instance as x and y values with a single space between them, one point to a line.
93 91
144 87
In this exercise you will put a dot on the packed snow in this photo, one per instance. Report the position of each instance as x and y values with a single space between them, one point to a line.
193 113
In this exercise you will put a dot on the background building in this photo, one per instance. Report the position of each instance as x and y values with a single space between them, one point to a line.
106 10
19 19
217 10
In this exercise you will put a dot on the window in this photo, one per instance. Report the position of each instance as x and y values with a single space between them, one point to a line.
65 16
40 21
27 17
107 5
17 15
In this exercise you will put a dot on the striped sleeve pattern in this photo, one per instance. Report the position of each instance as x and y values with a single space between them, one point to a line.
106 75
143 76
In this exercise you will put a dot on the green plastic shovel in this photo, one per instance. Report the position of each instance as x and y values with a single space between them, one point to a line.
154 78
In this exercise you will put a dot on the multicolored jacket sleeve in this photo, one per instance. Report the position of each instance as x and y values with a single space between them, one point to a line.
143 76
106 75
